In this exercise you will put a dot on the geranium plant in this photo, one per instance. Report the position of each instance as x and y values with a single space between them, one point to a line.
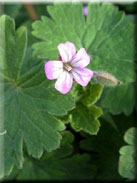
67 100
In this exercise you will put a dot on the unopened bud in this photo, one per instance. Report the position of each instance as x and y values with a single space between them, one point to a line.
106 79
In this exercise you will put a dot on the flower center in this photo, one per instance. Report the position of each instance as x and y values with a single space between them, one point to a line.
67 67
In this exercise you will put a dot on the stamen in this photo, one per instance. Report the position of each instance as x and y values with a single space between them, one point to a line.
67 67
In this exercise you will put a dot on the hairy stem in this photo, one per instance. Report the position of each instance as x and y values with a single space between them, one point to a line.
31 11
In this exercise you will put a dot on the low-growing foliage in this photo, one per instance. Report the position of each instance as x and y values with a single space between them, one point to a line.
47 134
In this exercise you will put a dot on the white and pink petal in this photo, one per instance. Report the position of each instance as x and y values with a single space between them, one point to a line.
64 82
82 75
67 51
81 59
53 69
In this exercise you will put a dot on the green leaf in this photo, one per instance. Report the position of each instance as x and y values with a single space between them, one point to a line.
85 116
10 9
92 95
127 160
28 103
40 9
108 118
86 119
130 136
105 147
58 165
105 39
29 60
60 169
61 28
130 18
77 92
103 35
12 47
119 99
65 149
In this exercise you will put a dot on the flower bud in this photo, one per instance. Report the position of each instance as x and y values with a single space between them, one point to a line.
106 79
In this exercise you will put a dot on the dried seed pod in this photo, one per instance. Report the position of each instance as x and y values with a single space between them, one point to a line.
106 79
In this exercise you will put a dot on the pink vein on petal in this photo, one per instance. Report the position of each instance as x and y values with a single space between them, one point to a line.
81 59
82 75
67 51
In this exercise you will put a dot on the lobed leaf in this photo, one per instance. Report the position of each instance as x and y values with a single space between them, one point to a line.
127 159
105 40
86 119
12 47
103 34
105 147
67 23
119 99
57 165
93 94
28 103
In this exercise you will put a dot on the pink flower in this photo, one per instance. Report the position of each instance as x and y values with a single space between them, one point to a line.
71 66
85 10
